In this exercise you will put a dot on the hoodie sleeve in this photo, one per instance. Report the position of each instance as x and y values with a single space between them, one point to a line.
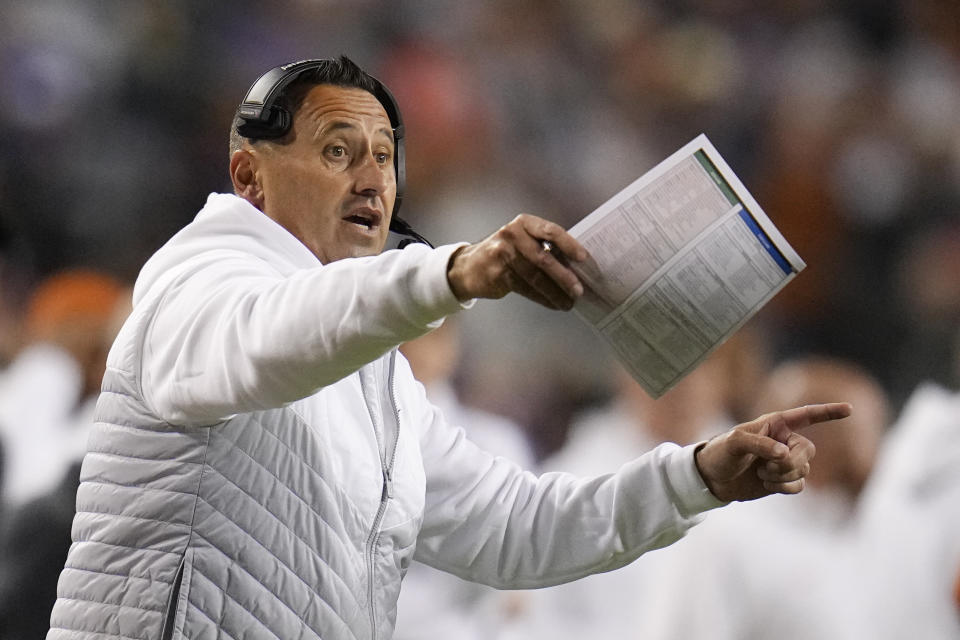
486 520
229 335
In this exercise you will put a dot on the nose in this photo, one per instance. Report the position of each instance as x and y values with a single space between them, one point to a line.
372 178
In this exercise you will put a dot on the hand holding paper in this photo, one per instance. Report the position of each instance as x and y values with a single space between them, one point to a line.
514 259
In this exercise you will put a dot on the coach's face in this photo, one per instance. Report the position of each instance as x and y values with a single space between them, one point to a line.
333 185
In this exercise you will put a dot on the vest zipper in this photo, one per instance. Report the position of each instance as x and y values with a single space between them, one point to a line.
372 541
173 599
391 382
387 459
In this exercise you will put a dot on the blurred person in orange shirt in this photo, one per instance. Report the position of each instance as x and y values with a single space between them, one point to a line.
46 393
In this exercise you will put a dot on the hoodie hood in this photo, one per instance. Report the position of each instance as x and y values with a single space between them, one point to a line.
238 227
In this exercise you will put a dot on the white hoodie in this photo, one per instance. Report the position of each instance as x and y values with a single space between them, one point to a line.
265 465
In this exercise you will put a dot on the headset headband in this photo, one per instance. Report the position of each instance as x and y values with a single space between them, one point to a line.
263 119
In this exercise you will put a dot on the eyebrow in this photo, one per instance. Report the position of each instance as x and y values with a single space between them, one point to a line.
339 125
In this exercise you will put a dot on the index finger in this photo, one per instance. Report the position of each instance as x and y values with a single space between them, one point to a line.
815 413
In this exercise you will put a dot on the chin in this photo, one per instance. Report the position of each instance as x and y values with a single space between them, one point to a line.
356 252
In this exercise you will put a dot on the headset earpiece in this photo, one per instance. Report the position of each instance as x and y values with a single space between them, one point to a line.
274 123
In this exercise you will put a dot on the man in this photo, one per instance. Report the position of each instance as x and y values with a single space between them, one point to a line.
264 464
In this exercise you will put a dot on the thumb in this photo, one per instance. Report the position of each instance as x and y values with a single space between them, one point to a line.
743 442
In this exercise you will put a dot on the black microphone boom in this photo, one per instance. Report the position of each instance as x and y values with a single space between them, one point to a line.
400 227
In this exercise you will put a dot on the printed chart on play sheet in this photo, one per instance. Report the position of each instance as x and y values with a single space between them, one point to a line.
679 260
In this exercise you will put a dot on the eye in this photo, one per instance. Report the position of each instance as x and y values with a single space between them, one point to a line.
383 158
336 151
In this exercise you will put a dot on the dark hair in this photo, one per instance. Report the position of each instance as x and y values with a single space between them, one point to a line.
340 72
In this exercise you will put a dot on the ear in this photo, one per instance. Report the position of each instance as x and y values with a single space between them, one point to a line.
243 174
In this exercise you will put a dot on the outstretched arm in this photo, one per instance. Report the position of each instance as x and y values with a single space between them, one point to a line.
488 521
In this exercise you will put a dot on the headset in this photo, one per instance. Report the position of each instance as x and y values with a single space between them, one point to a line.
261 118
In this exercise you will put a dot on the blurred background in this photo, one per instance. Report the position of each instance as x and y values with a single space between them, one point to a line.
842 117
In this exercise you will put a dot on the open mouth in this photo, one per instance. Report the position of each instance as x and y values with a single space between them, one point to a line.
366 218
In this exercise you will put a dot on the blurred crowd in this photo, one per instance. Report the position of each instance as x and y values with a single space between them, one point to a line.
842 117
